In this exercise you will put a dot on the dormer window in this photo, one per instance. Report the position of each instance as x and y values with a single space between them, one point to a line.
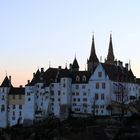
99 74
77 78
84 78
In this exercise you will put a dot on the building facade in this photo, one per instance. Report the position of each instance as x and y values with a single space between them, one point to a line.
62 92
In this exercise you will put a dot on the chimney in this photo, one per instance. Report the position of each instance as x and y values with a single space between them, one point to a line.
42 70
120 63
59 67
28 81
33 75
70 66
21 86
126 66
115 62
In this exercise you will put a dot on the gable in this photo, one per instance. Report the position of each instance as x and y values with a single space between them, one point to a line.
99 74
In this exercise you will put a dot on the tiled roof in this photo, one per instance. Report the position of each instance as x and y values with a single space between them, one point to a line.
38 78
81 75
138 80
17 91
50 75
118 73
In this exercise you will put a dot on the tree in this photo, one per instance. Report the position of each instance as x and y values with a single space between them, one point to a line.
121 98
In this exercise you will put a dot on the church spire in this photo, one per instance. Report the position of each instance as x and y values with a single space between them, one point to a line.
93 59
110 55
93 56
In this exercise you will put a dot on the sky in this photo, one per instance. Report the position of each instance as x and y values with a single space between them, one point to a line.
39 33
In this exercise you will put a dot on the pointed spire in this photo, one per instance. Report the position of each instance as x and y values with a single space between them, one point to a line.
93 59
75 65
93 56
110 55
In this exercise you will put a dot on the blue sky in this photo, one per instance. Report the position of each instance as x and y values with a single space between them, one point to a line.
34 32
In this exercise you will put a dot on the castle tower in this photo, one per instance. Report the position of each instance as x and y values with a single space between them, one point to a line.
93 60
110 55
4 91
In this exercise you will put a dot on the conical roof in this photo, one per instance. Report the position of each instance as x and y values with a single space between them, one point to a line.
75 64
110 55
6 82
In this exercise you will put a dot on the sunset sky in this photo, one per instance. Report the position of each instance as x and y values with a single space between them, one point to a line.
36 32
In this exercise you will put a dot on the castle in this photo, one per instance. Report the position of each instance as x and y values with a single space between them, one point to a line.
66 91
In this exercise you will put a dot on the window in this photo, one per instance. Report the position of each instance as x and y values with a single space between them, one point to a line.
13 97
84 105
96 106
77 78
102 106
77 86
103 85
52 93
77 93
73 93
52 99
84 78
14 106
28 93
58 92
29 99
85 110
97 85
64 85
20 97
2 108
74 99
2 97
99 74
13 113
102 96
85 99
78 99
20 106
20 113
84 93
59 99
96 96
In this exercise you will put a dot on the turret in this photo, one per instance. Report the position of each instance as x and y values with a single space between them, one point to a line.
75 65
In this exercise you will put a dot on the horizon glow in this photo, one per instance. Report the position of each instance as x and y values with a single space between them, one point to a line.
35 33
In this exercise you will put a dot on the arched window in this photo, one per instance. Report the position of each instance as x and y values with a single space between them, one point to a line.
84 78
77 78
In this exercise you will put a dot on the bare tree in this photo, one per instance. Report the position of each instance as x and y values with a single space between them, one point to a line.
121 98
